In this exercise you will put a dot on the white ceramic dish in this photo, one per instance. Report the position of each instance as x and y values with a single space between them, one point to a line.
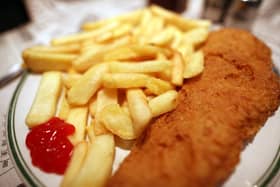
260 161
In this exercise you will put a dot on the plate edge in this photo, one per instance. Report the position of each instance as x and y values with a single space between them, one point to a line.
13 150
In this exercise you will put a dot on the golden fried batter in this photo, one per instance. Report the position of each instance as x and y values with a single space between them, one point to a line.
199 143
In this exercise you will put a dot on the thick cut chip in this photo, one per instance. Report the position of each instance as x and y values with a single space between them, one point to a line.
41 61
124 80
135 52
131 17
180 22
82 36
163 103
158 86
89 58
141 67
195 65
196 36
99 128
105 97
94 53
177 69
78 117
45 102
164 38
139 109
70 79
186 49
135 80
73 48
117 121
97 165
87 85
75 164
116 33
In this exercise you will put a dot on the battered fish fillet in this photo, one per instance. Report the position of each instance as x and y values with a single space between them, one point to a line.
199 144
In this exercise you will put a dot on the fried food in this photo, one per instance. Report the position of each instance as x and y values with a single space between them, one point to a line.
45 102
199 143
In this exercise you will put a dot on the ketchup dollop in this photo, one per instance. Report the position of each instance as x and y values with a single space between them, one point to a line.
49 146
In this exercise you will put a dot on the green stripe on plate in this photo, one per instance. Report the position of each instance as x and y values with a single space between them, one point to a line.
22 167
271 171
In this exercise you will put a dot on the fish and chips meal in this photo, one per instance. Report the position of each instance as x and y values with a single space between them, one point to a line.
184 99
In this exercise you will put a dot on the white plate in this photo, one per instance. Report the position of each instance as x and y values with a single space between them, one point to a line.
260 161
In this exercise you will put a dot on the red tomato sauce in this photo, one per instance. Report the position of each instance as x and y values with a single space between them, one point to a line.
49 146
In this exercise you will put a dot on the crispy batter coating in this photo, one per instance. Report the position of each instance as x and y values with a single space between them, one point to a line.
199 143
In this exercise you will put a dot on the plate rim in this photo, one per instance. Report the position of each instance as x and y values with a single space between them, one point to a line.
19 163
24 171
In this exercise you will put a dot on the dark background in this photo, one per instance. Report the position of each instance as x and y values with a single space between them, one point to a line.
12 14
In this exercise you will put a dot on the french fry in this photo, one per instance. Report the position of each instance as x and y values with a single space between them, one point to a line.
45 102
132 18
117 42
165 74
196 36
177 37
186 49
41 61
135 80
125 108
88 84
78 117
71 49
164 38
139 110
75 164
124 80
158 86
97 165
122 53
82 36
144 21
94 47
64 107
89 58
99 128
163 103
117 121
156 24
70 79
195 65
116 33
135 51
177 69
105 97
94 53
141 67
180 22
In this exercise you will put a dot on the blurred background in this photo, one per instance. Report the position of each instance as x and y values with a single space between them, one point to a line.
28 22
